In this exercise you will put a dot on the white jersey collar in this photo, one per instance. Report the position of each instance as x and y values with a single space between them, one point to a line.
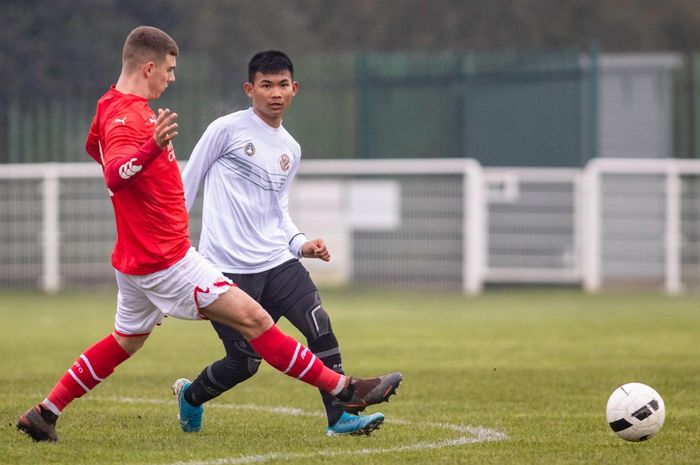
263 124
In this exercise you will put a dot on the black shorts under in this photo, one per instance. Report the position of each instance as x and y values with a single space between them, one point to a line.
279 291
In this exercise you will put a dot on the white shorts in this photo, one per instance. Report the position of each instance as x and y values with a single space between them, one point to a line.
178 291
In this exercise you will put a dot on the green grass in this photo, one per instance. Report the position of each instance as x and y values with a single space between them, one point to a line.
536 365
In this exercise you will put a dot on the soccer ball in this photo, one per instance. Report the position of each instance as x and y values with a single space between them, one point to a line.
635 412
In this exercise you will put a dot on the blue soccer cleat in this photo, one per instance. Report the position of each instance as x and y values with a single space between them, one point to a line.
355 425
190 416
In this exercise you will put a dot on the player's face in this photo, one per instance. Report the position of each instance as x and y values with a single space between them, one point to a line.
271 94
162 74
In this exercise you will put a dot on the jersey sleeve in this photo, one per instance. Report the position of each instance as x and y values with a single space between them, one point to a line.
209 147
92 143
295 237
124 156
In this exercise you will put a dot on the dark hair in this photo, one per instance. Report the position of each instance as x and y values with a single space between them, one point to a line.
146 43
269 62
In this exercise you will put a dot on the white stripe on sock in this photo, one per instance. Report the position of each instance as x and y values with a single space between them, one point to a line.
340 386
51 406
308 367
294 358
92 372
78 381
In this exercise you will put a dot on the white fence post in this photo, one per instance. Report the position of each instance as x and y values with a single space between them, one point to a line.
672 282
591 246
50 233
475 243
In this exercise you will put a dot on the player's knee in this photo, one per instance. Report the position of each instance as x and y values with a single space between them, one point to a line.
321 321
244 314
249 311
130 344
253 364
317 322
258 318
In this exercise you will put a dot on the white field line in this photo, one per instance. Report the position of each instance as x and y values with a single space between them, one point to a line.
469 434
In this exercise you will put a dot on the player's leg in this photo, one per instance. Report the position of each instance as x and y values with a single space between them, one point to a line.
92 367
291 293
218 301
196 287
239 311
308 315
240 363
94 364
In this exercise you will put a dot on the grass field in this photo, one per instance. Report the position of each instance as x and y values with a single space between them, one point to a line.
511 377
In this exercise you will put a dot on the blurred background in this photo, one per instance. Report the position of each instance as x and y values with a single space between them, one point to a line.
447 144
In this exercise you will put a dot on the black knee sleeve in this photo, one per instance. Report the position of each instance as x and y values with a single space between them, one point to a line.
236 369
241 362
318 320
309 317
221 376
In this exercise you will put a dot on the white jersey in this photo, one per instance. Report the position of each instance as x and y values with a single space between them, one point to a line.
247 167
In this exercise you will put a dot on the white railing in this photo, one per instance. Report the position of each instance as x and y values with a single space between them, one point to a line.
440 223
467 179
668 180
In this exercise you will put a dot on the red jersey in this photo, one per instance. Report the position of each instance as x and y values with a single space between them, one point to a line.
144 183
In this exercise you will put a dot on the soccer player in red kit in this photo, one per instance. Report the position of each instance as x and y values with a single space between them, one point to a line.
158 272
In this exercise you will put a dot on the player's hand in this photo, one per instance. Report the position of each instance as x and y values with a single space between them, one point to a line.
316 249
165 128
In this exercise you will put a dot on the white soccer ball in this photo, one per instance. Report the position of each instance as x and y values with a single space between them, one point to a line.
635 412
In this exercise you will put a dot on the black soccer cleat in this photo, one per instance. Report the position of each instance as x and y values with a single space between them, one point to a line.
361 393
33 423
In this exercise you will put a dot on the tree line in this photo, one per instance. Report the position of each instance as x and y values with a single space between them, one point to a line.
68 47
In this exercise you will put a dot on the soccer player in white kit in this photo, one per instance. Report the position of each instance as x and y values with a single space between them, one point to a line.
247 161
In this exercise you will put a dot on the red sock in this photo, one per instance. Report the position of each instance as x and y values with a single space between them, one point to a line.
93 366
293 359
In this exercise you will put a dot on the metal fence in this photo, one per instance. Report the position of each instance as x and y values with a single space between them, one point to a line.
371 105
440 224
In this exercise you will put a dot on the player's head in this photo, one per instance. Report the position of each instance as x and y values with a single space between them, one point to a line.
271 85
150 53
269 62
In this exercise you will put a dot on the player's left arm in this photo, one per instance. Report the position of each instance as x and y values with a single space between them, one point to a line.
315 248
92 143
299 245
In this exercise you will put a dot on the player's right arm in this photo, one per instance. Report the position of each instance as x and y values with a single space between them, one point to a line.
123 158
209 147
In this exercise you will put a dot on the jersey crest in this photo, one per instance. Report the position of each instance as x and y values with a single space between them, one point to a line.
284 162
249 149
